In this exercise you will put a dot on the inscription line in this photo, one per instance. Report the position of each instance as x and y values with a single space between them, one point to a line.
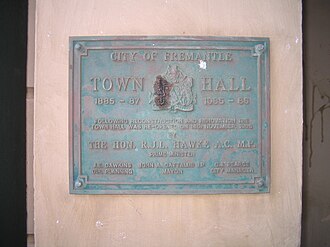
172 183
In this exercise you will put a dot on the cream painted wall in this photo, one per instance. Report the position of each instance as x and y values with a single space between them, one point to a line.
263 220
29 118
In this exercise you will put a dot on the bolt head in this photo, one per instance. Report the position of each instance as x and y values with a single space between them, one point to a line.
78 184
77 46
260 47
260 183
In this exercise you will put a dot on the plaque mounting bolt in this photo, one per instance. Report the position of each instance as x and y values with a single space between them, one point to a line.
79 47
78 184
260 182
259 49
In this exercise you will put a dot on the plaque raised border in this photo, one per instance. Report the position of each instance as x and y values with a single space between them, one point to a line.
257 48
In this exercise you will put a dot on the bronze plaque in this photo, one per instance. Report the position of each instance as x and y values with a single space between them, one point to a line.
169 115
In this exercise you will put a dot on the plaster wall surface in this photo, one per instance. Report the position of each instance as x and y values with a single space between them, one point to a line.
263 220
316 211
30 117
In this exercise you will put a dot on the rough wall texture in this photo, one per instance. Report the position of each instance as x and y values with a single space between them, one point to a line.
271 219
316 220
29 117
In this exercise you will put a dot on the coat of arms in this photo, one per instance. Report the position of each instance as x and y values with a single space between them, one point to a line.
173 91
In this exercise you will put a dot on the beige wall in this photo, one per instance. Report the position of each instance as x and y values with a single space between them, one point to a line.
30 116
263 220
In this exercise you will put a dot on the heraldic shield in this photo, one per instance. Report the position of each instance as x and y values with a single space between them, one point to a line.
173 91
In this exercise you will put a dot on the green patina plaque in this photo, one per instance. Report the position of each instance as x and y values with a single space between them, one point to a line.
169 115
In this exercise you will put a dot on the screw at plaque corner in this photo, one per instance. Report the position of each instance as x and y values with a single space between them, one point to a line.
260 183
78 184
77 46
260 47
